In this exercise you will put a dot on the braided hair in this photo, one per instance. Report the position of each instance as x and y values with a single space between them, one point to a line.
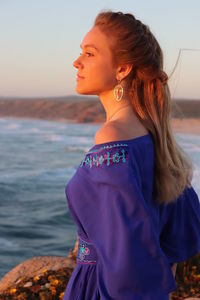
132 42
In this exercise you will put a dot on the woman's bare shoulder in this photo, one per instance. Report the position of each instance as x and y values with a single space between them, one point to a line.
115 131
107 133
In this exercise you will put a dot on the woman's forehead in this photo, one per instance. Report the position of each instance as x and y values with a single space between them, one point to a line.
95 39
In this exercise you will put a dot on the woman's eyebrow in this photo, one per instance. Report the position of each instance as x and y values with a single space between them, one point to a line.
90 45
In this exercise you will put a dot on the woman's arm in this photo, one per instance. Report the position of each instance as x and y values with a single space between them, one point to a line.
174 269
73 253
174 273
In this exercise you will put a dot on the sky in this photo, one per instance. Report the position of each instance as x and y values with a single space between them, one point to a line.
40 39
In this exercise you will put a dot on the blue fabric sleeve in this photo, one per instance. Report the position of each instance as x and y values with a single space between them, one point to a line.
131 264
180 227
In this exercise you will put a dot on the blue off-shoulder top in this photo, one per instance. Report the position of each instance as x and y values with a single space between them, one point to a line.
127 242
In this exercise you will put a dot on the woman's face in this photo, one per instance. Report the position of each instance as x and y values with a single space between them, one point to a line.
95 65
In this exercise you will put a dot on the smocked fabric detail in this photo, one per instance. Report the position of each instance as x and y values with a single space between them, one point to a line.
111 157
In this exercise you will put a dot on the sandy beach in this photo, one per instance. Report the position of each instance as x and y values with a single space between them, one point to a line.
188 126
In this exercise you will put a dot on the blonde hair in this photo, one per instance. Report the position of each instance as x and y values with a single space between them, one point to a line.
132 42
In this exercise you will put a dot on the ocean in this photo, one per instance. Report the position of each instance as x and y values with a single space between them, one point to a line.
37 158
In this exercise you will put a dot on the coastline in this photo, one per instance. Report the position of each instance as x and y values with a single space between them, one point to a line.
179 125
185 114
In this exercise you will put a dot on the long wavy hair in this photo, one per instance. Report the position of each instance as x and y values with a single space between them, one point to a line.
131 42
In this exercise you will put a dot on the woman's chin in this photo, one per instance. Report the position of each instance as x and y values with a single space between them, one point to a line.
79 89
83 91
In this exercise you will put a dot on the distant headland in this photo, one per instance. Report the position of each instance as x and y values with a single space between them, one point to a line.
85 109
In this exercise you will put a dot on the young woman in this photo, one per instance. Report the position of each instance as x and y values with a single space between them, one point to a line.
131 197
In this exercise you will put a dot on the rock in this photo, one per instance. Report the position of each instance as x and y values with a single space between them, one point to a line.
28 284
34 266
47 285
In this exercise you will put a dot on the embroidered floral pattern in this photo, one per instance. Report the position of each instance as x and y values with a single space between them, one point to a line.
107 158
83 251
86 252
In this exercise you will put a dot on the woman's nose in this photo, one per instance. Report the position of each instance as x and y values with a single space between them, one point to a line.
76 63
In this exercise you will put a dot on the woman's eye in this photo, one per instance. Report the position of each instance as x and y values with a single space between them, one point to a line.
88 53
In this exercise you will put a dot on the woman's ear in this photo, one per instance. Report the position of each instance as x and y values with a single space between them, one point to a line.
123 71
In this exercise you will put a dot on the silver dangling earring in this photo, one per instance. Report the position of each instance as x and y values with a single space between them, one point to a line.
118 91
